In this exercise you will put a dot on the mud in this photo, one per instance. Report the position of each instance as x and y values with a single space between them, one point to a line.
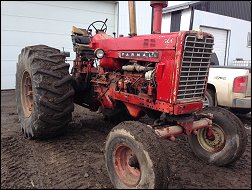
76 159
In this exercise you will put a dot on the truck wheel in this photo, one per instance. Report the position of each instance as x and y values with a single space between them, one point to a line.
209 99
135 158
44 94
230 139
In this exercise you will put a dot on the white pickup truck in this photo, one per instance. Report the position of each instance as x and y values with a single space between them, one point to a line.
230 87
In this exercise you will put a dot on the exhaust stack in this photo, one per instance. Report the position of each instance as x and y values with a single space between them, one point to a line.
132 18
157 16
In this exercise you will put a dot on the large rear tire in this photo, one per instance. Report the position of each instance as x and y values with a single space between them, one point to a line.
230 139
44 93
135 157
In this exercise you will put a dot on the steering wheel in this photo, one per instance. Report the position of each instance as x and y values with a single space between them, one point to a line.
103 28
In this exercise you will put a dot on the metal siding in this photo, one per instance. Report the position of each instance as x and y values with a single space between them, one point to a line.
236 9
143 17
175 21
166 23
45 22
185 19
238 32
220 42
191 19
123 27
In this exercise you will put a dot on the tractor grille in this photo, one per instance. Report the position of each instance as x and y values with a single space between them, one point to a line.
194 67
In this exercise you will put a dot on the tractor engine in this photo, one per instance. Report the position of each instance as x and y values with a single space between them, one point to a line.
153 74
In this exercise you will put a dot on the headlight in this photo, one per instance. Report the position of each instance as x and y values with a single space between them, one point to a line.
99 53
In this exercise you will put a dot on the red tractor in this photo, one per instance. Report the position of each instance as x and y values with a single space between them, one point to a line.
162 75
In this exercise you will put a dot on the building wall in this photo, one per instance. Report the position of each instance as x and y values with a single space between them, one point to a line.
143 17
221 42
166 23
25 23
184 21
175 21
235 9
238 31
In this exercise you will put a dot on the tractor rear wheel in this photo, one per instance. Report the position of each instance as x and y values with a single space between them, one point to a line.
135 158
229 142
44 93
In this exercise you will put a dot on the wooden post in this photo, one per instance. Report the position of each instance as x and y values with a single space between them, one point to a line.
132 18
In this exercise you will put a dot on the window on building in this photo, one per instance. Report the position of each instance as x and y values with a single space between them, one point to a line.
249 39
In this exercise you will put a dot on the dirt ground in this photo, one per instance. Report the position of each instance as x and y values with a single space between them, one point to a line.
76 159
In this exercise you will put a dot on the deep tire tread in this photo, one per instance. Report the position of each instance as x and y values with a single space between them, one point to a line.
50 89
241 131
238 130
152 144
49 73
52 111
63 81
62 65
65 97
50 105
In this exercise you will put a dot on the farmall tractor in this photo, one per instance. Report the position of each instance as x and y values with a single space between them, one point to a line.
162 75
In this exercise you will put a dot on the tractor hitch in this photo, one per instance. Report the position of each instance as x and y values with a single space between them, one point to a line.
185 127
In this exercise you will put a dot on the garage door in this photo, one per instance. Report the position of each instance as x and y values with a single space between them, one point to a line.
220 42
25 23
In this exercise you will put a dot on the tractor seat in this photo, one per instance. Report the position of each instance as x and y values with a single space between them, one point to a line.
79 31
80 40
80 36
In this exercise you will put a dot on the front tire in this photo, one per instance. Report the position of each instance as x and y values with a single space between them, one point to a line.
230 139
44 93
135 158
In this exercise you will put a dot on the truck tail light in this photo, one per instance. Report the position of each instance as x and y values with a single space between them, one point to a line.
240 84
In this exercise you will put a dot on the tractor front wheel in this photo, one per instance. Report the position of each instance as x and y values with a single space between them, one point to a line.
44 93
135 158
228 142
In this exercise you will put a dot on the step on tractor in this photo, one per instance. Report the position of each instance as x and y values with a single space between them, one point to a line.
159 75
